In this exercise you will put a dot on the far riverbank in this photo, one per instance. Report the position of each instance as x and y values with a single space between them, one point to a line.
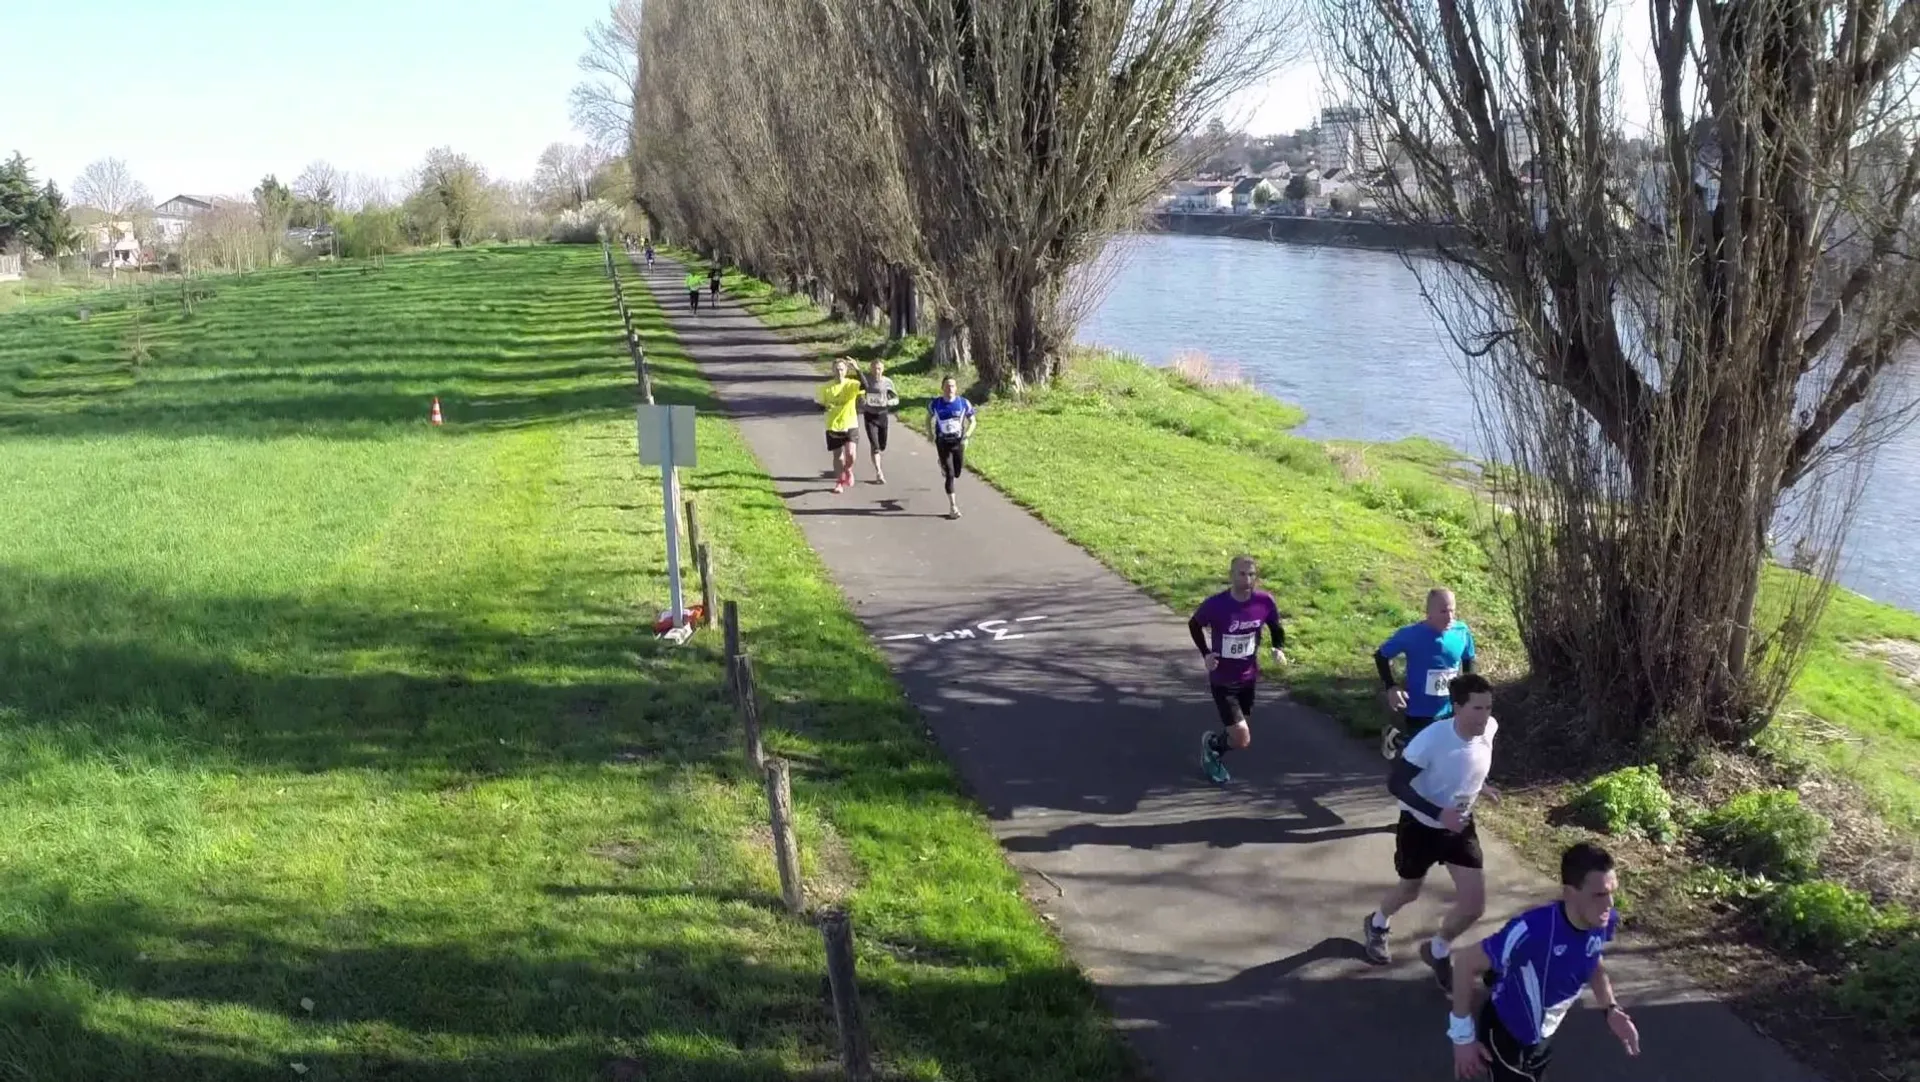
1326 232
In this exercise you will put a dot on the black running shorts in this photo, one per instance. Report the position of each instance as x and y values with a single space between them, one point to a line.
1235 703
837 440
876 424
1511 1060
1417 847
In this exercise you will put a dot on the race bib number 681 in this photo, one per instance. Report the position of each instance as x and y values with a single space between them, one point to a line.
1237 646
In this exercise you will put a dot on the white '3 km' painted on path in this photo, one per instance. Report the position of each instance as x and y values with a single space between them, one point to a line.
996 629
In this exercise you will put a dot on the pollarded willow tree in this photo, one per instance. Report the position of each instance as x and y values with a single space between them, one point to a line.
1031 132
968 152
749 145
1681 339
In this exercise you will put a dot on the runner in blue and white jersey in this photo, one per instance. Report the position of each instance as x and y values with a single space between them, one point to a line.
1539 963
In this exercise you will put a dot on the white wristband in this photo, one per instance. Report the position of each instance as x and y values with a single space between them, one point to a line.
1461 1030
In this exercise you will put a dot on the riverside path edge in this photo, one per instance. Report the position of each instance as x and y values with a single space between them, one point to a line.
1220 925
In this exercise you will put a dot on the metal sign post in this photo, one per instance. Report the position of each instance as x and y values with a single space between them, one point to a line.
667 441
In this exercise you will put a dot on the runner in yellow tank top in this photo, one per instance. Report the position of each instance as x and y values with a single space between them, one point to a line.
841 396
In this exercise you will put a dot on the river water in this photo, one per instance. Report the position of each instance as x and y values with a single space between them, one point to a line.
1346 335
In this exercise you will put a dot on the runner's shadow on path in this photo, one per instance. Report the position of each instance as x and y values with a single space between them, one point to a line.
894 511
1317 823
1043 722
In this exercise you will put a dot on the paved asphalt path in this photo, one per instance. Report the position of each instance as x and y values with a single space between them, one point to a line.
1220 925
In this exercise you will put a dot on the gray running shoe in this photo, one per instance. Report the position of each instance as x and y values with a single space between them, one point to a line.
1376 942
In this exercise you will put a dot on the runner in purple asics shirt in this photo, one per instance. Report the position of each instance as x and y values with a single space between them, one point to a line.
1226 627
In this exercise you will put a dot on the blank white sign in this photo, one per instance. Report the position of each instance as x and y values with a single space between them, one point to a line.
660 424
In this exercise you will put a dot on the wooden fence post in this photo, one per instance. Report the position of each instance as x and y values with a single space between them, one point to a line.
730 627
693 524
703 562
747 704
786 851
836 930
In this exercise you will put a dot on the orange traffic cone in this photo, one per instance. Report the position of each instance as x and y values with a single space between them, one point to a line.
437 419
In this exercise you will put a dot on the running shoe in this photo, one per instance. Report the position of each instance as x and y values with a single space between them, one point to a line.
1442 967
1376 941
1391 741
1210 763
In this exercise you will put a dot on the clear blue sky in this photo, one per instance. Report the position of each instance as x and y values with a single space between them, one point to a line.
211 95
208 96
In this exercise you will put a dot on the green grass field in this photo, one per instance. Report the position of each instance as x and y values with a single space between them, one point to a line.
329 738
1164 480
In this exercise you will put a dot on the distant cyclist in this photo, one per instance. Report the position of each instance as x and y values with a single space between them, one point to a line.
1437 649
950 421
694 281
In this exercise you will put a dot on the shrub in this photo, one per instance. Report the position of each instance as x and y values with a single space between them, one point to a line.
1627 801
1885 988
1819 918
592 220
1767 833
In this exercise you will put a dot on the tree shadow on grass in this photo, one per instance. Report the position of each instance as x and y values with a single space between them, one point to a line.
525 1005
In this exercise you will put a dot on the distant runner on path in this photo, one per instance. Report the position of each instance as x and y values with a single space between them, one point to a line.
876 413
713 285
649 257
1437 780
1226 627
841 396
694 281
1437 649
950 422
1539 962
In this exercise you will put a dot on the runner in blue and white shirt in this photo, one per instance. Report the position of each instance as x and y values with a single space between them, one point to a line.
1539 963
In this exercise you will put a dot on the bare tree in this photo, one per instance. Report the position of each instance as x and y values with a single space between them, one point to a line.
359 191
564 175
319 185
918 155
602 104
1031 133
110 186
1665 344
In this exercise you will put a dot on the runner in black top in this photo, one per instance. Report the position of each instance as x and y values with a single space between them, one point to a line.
713 283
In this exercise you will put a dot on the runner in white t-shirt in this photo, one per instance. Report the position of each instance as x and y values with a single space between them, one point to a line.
1437 779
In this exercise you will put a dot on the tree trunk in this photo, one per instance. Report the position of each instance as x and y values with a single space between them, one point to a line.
904 305
1030 347
946 344
987 352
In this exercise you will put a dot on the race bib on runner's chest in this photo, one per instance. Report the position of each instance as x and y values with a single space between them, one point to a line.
877 400
1437 680
1238 646
951 426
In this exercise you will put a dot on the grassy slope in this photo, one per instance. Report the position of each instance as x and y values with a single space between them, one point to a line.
307 701
1162 481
